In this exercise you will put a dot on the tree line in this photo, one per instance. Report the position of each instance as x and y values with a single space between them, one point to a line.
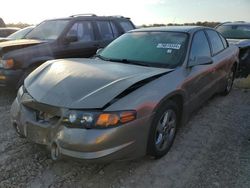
206 23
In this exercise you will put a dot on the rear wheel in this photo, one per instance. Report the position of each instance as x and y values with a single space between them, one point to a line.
163 129
229 82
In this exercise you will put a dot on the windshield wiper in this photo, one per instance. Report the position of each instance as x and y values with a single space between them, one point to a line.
134 62
127 61
35 38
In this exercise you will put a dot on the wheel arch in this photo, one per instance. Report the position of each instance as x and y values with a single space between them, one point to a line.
178 97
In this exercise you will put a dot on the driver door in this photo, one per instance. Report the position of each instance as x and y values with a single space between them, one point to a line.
85 44
200 78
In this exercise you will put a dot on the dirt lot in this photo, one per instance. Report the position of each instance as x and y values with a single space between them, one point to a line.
212 150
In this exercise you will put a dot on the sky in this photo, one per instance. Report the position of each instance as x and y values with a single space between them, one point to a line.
140 11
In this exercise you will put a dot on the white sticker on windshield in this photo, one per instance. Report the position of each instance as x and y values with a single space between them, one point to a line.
169 46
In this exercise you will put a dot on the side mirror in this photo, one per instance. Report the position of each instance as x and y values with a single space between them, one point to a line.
98 51
70 38
200 60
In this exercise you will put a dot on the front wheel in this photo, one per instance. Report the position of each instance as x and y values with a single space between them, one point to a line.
163 130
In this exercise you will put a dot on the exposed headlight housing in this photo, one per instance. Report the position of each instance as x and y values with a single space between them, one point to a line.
98 119
7 63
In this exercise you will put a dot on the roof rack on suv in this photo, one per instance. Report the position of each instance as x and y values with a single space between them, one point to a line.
119 16
89 14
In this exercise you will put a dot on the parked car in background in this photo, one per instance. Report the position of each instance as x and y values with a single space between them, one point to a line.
6 31
129 100
75 36
20 34
238 33
2 24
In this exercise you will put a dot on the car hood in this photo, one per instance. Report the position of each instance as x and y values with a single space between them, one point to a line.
3 39
84 83
241 43
17 44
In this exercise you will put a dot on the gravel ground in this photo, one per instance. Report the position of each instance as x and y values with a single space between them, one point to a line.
212 150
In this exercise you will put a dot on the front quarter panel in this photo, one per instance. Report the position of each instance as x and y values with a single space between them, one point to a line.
146 98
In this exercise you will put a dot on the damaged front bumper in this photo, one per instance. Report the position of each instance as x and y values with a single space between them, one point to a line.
128 141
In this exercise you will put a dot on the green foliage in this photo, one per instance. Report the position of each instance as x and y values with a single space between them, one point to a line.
19 25
207 24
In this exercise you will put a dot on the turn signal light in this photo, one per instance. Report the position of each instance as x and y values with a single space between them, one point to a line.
115 119
8 64
105 120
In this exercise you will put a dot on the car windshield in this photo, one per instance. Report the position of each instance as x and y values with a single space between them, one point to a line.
48 30
159 49
21 33
235 31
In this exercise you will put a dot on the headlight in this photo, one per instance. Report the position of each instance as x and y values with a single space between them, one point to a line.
7 64
98 119
79 119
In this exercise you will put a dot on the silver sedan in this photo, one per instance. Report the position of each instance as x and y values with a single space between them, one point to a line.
129 99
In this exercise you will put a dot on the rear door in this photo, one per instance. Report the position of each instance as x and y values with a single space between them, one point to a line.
220 56
107 32
86 42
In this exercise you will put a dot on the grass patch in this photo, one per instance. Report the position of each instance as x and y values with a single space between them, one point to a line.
242 83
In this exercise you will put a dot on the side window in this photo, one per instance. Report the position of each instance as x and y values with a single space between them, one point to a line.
105 30
2 24
115 31
225 44
83 30
215 40
126 25
200 46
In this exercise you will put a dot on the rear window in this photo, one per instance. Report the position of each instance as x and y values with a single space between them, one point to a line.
224 41
235 31
126 25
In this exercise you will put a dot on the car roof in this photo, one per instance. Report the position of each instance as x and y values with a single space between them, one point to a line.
91 17
185 29
235 23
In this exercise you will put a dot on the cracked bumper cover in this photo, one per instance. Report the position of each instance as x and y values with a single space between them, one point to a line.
128 141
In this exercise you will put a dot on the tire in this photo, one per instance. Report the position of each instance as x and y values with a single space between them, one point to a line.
163 129
229 82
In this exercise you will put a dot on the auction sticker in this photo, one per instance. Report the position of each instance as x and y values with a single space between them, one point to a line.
169 46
